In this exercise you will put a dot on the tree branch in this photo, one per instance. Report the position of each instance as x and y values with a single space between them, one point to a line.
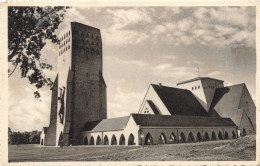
13 70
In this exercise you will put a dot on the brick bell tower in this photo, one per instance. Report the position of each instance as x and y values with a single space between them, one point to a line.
80 86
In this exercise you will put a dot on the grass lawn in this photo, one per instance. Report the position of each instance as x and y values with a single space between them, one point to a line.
228 150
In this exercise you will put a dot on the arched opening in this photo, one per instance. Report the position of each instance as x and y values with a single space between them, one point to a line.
86 141
206 136
234 135
122 140
113 140
191 137
182 138
220 136
42 142
213 136
131 139
106 141
98 141
226 135
199 137
148 139
92 142
244 132
173 138
162 139
60 143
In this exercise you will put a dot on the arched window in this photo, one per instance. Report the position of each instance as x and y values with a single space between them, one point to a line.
213 136
173 138
244 132
162 139
192 88
199 137
206 136
98 141
198 87
92 142
69 32
148 139
86 141
195 87
131 139
226 135
182 138
191 137
42 142
220 136
234 135
106 141
122 140
113 140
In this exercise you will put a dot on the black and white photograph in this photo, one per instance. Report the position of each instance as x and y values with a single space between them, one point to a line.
131 83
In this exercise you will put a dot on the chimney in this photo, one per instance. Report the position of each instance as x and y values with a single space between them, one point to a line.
160 85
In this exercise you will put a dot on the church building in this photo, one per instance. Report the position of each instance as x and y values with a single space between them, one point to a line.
200 109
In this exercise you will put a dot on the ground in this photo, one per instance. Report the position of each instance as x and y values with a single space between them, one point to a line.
225 150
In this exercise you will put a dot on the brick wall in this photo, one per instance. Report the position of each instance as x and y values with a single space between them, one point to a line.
89 90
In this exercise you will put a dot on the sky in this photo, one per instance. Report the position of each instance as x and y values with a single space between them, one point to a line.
144 45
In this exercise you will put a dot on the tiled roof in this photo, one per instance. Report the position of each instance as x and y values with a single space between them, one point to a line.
179 101
153 107
180 121
107 124
198 78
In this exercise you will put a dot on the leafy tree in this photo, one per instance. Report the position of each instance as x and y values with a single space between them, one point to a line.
28 30
15 138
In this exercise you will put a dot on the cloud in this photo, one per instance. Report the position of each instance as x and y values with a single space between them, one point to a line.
159 29
168 70
170 57
214 73
185 24
126 17
123 103
27 113
118 34
134 63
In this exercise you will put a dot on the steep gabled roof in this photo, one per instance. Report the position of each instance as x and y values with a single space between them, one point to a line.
153 107
112 124
179 101
226 102
228 96
180 121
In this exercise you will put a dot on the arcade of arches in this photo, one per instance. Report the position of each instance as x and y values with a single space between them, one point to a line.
162 136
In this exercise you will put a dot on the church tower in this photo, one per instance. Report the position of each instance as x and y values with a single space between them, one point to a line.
203 89
80 89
